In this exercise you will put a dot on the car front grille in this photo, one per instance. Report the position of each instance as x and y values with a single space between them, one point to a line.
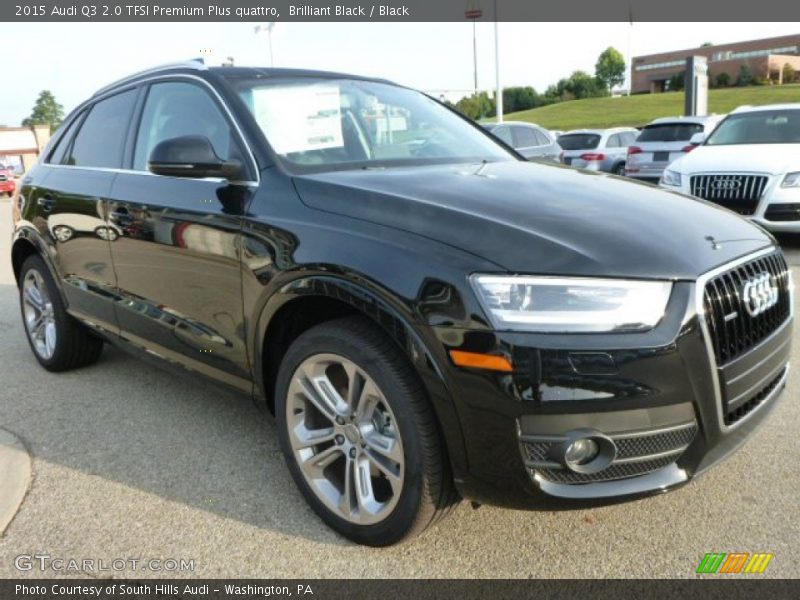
638 453
733 331
741 411
739 193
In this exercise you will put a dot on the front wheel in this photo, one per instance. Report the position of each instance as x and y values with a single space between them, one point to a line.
359 435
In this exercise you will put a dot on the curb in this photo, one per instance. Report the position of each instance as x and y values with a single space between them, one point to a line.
15 476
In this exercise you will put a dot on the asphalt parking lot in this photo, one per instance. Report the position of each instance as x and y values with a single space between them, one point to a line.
132 463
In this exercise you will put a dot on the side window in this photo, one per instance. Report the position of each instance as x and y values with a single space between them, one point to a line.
504 133
58 155
101 138
542 138
613 141
629 138
175 109
524 137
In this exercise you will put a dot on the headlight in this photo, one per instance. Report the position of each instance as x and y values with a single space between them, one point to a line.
573 305
791 180
671 178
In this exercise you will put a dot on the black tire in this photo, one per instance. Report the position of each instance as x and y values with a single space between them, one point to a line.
619 170
75 345
427 491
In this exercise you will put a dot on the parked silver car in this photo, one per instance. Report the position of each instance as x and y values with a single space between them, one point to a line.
663 141
529 139
597 149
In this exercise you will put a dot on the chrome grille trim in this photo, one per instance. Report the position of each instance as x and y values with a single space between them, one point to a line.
699 296
738 192
733 331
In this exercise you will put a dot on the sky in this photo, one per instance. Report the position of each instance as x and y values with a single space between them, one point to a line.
74 60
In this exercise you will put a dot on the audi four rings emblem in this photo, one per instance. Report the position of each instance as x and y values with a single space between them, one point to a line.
727 184
759 294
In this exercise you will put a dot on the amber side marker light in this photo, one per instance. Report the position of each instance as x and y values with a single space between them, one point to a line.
476 360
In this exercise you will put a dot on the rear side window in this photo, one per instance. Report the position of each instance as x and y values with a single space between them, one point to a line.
59 153
542 138
176 109
613 141
101 138
579 141
669 132
524 137
504 133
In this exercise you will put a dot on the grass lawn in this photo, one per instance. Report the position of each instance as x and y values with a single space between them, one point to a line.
640 109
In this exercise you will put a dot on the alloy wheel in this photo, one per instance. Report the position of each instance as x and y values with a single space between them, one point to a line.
40 322
345 439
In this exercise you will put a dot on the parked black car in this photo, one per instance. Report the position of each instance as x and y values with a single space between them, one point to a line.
429 316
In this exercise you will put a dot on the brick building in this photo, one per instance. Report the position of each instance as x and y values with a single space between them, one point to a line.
20 146
651 73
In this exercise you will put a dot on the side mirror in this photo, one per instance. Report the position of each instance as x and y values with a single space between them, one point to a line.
191 156
697 139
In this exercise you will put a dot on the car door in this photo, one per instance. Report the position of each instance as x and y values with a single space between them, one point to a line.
614 152
73 200
177 257
549 149
525 141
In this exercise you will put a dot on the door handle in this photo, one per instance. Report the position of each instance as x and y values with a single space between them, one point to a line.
47 203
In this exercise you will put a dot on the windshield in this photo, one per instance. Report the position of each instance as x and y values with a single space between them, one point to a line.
761 127
669 132
579 141
317 124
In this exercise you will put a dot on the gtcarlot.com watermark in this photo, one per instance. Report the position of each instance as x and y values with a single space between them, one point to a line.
60 564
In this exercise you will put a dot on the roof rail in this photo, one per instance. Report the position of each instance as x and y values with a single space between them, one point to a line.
196 64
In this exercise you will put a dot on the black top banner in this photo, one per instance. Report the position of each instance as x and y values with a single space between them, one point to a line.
401 10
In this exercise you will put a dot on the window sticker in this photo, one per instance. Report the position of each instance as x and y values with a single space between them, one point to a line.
299 119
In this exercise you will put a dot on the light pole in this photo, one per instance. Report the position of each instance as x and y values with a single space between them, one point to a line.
499 93
473 13
268 28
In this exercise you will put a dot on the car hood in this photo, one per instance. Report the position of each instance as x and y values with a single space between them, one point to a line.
746 158
536 218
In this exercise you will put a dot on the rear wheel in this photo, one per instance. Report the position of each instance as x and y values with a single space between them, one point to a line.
58 341
359 435
619 169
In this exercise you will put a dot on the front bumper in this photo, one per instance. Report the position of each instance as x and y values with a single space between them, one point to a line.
657 396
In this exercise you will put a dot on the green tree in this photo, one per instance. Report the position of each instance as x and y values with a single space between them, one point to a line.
706 44
789 74
520 98
610 68
46 111
476 106
745 75
723 80
677 81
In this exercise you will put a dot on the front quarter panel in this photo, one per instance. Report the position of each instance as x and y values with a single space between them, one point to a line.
405 283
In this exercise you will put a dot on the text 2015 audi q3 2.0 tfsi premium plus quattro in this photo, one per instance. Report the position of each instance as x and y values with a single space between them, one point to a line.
429 316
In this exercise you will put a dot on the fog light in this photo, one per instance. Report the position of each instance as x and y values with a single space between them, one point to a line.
581 452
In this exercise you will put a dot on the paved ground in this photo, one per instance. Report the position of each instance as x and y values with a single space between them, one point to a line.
133 463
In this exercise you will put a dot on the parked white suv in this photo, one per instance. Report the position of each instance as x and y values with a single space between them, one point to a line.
597 149
663 141
750 164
